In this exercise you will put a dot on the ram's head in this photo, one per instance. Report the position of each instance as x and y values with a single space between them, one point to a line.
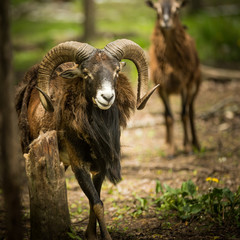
98 67
166 10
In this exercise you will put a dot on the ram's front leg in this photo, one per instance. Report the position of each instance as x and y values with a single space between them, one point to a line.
77 152
96 205
91 229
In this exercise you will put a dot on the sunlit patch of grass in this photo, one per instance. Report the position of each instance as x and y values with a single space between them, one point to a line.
32 40
26 31
217 38
133 19
23 60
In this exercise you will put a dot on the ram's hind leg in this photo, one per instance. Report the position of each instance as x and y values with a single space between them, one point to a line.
169 121
185 120
195 142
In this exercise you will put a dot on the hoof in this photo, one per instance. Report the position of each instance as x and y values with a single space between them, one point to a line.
90 236
171 152
188 149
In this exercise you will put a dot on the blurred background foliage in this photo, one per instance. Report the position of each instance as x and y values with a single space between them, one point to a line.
38 25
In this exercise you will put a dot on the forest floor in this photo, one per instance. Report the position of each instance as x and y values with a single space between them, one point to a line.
144 161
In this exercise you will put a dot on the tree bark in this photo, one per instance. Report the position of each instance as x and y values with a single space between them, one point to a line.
89 22
49 212
11 171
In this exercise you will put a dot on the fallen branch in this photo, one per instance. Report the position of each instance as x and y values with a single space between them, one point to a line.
219 74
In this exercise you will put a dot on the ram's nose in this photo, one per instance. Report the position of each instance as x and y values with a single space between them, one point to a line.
166 18
107 96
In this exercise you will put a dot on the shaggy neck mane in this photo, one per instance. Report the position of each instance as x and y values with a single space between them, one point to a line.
175 50
105 135
99 128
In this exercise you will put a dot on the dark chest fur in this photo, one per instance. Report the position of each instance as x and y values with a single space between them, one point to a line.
98 130
96 140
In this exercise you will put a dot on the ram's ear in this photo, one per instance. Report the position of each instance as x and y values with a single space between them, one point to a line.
71 73
150 3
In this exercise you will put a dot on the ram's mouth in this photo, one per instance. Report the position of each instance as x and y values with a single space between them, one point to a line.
101 105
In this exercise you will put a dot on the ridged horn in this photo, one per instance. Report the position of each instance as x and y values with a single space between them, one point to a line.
64 52
127 49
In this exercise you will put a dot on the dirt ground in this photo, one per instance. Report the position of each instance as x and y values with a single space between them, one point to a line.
144 161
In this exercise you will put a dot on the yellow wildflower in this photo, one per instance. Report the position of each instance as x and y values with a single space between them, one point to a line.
209 179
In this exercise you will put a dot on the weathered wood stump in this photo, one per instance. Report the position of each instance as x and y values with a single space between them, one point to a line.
47 189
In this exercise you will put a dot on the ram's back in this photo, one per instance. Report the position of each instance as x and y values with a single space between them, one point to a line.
32 118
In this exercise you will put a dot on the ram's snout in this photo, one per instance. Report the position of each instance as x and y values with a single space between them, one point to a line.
105 96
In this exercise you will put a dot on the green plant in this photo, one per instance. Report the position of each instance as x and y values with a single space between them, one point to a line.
219 205
142 205
222 205
201 152
73 234
182 200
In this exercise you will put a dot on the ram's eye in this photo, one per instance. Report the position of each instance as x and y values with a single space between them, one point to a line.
117 72
85 73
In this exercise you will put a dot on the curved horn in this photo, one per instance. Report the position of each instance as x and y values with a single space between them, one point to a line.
64 52
127 49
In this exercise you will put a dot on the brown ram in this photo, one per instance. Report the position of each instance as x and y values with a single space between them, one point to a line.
174 63
86 103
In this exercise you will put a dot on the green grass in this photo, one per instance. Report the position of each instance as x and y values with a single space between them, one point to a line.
133 20
217 38
31 40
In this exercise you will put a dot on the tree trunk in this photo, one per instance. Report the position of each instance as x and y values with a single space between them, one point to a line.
11 171
89 22
49 212
196 5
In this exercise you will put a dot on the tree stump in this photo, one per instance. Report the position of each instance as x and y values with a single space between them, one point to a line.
49 212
